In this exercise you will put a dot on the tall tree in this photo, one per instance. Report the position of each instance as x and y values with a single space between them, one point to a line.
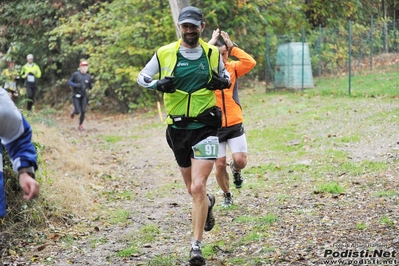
330 13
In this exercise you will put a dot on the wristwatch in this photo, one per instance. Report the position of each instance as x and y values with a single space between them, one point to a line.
231 47
29 170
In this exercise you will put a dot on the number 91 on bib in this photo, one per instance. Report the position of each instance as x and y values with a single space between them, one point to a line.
207 148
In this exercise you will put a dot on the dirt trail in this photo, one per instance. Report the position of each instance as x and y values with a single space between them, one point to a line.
139 162
136 173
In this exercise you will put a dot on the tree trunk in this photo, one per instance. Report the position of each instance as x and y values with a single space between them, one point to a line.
175 6
384 10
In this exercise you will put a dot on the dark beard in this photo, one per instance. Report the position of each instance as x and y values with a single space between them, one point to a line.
192 41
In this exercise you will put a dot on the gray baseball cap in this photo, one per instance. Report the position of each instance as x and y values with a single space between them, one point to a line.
191 15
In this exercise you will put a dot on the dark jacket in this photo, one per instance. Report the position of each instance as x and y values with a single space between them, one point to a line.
80 83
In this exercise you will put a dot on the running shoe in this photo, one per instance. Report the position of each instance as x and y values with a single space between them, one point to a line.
210 220
196 258
238 179
81 127
228 199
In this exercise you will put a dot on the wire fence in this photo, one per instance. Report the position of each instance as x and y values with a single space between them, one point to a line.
329 52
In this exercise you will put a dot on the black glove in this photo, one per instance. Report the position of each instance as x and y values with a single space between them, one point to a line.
217 82
166 84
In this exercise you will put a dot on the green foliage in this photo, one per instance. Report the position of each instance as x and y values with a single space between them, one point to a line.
118 42
24 26
118 38
331 14
247 22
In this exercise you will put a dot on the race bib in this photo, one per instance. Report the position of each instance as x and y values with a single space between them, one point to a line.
30 78
207 148
78 95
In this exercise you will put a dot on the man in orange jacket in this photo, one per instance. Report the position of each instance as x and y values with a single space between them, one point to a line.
232 131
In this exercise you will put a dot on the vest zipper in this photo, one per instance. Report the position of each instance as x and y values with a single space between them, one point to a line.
188 104
224 108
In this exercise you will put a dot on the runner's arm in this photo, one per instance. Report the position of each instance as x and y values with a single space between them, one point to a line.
71 82
145 76
245 61
16 134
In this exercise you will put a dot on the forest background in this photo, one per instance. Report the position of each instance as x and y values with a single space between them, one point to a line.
118 38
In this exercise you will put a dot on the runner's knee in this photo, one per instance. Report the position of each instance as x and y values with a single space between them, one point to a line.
220 163
240 161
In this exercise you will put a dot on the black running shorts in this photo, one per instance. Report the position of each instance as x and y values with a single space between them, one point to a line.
226 133
181 142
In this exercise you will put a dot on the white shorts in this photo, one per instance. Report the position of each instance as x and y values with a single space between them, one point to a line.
238 144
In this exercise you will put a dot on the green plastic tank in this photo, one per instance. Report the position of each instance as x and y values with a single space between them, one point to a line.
289 67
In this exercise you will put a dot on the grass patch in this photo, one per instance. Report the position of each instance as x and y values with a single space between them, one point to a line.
386 220
361 226
149 232
252 237
261 170
132 250
365 84
249 261
283 139
162 260
43 116
67 240
116 195
146 234
112 139
118 216
386 193
350 139
331 187
262 220
166 190
212 249
97 242
282 197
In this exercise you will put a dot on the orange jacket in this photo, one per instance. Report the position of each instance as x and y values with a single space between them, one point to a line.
227 99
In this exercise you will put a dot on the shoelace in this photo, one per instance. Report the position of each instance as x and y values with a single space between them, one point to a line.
196 247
